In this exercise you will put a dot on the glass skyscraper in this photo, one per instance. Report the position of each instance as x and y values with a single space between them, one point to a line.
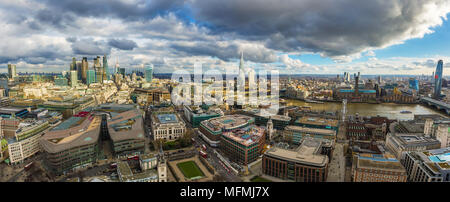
438 79
414 84
90 77
73 78
105 68
148 73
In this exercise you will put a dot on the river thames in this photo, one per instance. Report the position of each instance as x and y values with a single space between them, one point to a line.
390 110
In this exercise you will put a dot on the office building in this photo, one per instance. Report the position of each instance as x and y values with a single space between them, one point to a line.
125 128
317 122
61 81
442 135
125 174
105 68
414 84
399 143
428 166
25 142
298 133
73 65
12 71
279 121
90 77
73 78
377 168
148 73
211 130
438 79
72 144
194 115
84 69
167 125
305 163
243 145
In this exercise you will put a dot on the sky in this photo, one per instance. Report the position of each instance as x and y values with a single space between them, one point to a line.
292 36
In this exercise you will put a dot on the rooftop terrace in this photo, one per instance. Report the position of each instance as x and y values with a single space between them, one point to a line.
247 135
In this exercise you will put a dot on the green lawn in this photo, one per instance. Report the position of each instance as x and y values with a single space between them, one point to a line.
190 169
259 179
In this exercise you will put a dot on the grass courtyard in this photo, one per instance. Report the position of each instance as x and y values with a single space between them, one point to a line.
259 179
190 169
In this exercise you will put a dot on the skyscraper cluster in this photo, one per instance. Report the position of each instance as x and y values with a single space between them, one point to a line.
346 77
81 71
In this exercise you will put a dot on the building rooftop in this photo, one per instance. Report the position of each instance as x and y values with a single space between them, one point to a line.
436 159
379 162
317 121
126 125
307 153
415 139
76 133
228 122
310 130
246 136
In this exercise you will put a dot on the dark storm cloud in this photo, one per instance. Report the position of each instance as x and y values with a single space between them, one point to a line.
90 47
122 44
332 27
139 9
226 52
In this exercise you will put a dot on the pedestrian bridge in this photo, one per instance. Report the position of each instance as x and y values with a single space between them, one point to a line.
436 103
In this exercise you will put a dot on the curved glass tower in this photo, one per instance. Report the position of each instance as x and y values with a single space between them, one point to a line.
438 79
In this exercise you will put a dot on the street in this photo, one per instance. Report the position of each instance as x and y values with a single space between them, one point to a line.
336 169
215 162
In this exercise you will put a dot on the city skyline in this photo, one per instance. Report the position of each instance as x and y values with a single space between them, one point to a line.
176 34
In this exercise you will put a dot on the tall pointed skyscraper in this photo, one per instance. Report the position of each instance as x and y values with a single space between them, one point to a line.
438 79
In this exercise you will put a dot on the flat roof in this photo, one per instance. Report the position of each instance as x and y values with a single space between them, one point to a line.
167 118
317 121
311 130
227 122
307 153
247 135
381 162
9 110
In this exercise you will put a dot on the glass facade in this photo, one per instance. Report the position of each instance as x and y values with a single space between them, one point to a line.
438 79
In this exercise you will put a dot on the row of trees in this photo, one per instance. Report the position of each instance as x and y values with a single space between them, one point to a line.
182 142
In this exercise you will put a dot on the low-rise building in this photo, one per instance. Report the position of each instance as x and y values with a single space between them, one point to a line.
126 174
306 163
298 133
73 144
211 130
400 143
243 145
167 125
26 141
428 166
377 168
195 115
318 122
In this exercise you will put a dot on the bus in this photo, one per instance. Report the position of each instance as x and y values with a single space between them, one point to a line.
136 157
28 166
203 154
